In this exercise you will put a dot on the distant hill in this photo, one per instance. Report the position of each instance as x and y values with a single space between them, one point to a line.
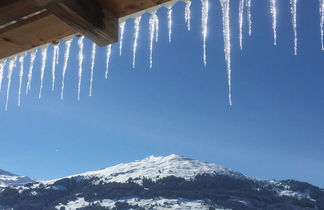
9 179
171 182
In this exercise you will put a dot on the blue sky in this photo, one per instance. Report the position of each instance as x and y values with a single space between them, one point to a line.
274 130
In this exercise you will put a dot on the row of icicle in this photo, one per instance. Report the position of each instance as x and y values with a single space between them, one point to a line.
244 5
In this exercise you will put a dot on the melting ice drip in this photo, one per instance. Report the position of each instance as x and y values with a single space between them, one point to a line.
227 43
12 64
154 32
80 58
122 31
21 73
137 22
249 16
188 14
93 56
108 55
170 23
204 21
241 13
322 21
44 56
273 11
293 9
30 72
54 62
66 59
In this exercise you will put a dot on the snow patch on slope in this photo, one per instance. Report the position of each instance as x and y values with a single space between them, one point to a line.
9 179
156 203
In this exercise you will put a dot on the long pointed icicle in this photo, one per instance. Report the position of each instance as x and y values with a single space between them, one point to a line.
293 9
93 56
188 14
80 59
108 55
170 23
31 68
44 56
249 16
21 73
227 43
12 64
54 62
273 11
66 59
322 21
2 65
153 22
137 22
122 30
241 14
204 21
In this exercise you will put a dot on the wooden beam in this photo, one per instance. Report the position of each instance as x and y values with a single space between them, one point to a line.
13 10
33 32
88 18
122 8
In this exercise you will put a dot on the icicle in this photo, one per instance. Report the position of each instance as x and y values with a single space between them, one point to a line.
156 20
44 56
170 23
21 73
122 30
204 21
108 54
227 43
293 9
322 21
54 62
12 64
136 32
80 58
241 13
30 72
153 22
66 59
273 10
248 12
188 14
2 65
93 56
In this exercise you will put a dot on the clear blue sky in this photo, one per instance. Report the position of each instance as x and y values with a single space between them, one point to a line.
274 130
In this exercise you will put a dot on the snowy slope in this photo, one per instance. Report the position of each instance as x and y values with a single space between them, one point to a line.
156 168
9 179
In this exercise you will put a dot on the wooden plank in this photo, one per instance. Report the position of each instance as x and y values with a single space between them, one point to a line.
33 32
13 10
122 8
88 18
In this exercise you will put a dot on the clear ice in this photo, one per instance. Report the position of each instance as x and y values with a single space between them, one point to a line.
93 56
122 30
12 64
80 61
66 59
227 43
137 22
108 54
204 21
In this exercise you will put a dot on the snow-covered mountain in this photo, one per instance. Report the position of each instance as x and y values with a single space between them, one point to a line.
9 179
171 182
156 168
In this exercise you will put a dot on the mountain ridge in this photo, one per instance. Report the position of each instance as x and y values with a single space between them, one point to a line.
170 182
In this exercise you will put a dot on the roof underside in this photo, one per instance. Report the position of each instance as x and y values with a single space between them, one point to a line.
25 25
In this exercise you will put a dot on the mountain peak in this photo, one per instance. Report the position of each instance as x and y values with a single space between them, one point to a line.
157 168
10 179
